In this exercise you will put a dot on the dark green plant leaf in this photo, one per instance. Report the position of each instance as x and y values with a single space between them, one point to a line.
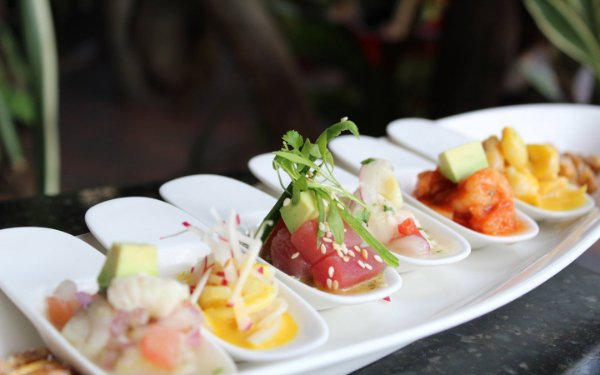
10 139
567 30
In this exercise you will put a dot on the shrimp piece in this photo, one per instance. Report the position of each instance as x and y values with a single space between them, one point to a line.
433 187
160 297
484 202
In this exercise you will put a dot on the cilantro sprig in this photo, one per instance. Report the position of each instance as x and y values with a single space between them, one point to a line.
310 167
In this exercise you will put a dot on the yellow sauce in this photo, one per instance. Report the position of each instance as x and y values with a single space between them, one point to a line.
258 294
227 330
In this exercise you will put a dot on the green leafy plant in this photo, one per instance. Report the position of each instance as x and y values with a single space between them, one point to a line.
29 93
573 26
310 167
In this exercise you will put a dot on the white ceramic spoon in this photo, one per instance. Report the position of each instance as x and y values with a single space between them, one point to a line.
453 246
33 261
148 219
190 194
134 220
352 151
427 139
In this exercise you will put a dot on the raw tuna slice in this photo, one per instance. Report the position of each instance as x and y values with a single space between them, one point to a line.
284 255
305 240
334 272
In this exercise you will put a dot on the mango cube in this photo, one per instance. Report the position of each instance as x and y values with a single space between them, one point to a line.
544 161
513 148
524 185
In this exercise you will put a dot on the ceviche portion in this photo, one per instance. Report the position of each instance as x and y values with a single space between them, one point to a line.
390 221
312 233
38 361
239 297
138 323
466 190
537 173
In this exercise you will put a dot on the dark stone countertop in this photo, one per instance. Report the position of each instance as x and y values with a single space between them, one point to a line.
553 329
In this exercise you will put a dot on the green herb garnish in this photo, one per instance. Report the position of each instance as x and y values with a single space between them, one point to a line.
367 161
310 167
387 208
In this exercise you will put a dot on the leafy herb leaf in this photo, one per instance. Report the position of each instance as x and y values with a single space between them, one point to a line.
336 225
293 138
367 161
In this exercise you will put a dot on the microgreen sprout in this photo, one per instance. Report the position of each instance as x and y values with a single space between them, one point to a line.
310 167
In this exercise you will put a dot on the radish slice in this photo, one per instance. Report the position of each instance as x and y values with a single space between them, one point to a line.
412 245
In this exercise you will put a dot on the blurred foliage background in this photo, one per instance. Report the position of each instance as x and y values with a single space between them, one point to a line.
154 89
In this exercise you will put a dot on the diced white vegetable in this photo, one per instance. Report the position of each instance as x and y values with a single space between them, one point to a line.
159 296
378 185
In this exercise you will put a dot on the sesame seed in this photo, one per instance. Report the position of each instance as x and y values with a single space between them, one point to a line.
339 253
322 227
336 284
346 259
286 201
345 230
331 271
364 253
361 263
337 247
357 248
329 283
368 266
351 253
327 239
344 248
378 258
323 249
295 255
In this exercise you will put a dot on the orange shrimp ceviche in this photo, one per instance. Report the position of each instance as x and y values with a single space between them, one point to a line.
483 201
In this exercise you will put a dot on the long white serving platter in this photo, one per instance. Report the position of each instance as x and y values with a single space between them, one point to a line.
436 298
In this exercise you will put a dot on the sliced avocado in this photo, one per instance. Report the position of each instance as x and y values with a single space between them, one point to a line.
294 215
124 259
460 162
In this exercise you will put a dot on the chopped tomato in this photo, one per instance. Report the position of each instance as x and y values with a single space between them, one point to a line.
161 346
61 311
408 227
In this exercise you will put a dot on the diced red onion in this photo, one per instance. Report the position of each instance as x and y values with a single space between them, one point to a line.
85 299
194 338
120 322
